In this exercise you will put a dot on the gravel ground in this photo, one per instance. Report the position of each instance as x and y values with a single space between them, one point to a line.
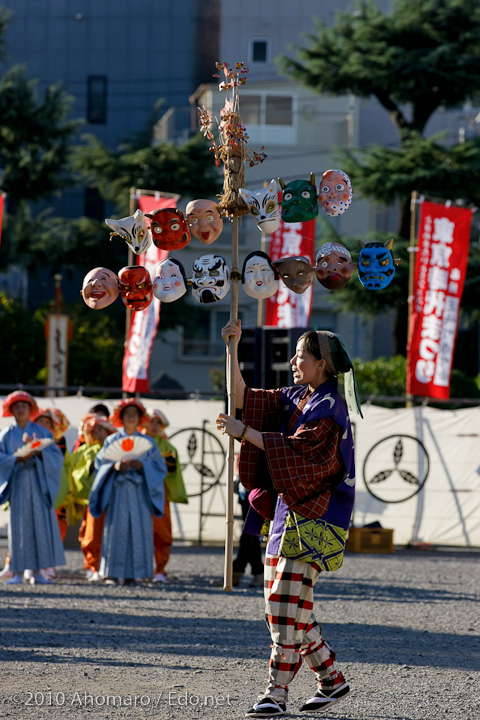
405 628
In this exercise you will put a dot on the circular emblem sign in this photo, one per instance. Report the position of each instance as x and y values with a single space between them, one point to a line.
396 468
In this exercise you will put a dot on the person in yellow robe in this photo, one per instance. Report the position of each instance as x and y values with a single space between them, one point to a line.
94 429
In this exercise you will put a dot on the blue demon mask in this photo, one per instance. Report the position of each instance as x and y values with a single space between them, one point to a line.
376 266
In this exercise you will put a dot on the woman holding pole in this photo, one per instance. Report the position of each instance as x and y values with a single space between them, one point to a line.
296 460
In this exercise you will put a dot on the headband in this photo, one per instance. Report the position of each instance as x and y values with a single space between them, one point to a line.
334 351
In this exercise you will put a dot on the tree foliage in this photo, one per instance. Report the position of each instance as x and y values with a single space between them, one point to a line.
4 19
95 351
421 57
23 335
387 377
35 138
185 169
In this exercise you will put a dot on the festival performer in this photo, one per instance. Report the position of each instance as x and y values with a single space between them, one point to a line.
56 423
97 409
94 429
130 490
30 484
174 489
296 459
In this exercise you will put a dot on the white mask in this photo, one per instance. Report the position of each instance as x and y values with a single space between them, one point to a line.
263 205
135 230
169 281
211 278
259 278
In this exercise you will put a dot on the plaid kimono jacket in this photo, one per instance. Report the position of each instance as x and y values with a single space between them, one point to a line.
308 457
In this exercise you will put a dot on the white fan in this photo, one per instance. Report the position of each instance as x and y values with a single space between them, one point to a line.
33 446
128 448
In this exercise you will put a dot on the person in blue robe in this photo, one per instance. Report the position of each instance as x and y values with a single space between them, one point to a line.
30 485
130 490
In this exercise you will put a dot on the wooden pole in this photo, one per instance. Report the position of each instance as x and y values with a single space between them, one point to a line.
130 262
232 403
263 244
411 272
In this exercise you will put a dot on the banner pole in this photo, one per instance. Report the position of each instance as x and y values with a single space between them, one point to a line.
411 272
232 403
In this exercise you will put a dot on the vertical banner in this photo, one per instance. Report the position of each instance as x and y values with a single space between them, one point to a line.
287 309
2 203
58 333
144 324
440 268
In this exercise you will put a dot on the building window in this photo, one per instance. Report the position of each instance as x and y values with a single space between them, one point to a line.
278 110
267 109
259 51
97 99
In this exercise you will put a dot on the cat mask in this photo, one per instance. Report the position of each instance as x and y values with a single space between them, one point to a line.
263 205
134 229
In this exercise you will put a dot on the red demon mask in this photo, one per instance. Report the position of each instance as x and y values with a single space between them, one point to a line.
135 287
169 229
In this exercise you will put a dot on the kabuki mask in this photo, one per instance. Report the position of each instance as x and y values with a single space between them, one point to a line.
169 229
263 205
334 267
170 282
135 287
134 230
299 200
100 288
204 220
376 266
210 281
296 272
335 192
259 276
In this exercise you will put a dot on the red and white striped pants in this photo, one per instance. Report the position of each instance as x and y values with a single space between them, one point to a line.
295 633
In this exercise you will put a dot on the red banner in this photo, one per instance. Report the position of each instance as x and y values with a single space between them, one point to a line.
144 324
287 309
440 268
2 202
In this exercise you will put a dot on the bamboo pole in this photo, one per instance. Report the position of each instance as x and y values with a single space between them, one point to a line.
263 244
232 403
131 210
411 272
